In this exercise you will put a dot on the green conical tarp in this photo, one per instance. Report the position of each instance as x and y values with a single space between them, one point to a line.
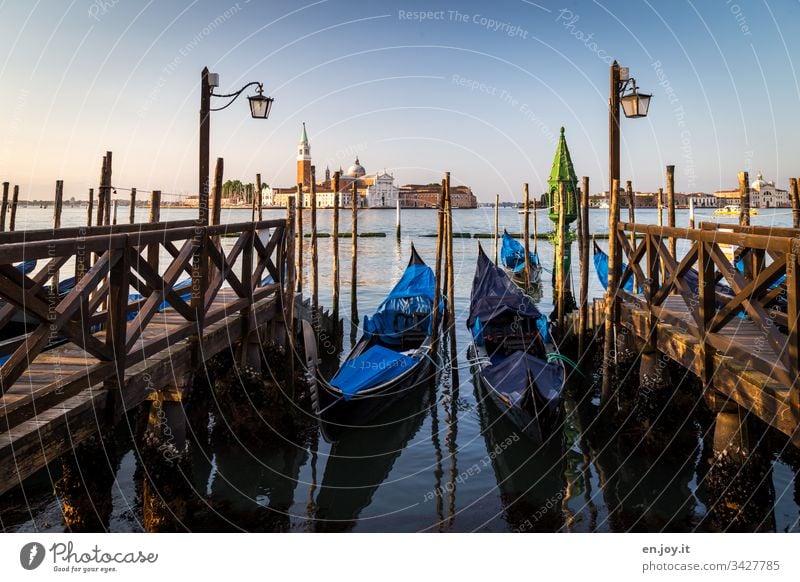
563 171
304 139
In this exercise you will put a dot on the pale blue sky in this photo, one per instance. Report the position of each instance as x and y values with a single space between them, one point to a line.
82 77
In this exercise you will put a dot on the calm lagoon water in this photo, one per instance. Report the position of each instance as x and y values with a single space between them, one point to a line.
452 464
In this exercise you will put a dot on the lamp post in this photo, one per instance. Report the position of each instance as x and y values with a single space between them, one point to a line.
624 92
260 107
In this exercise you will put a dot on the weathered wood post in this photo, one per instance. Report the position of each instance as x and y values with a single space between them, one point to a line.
397 221
691 212
451 294
314 251
290 284
335 241
90 208
12 221
259 202
671 207
101 195
58 204
107 208
561 276
354 265
155 216
660 205
116 207
744 199
437 274
216 193
496 228
795 195
526 235
535 230
4 207
583 227
300 234
132 215
631 209
611 307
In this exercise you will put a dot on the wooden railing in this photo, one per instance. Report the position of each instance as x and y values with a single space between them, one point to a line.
700 278
100 315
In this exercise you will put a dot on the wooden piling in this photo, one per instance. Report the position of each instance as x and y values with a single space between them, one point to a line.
671 206
691 212
535 230
437 274
12 221
90 207
354 265
259 203
116 207
314 251
744 199
526 201
583 310
300 233
660 203
794 187
496 228
561 277
216 193
335 242
155 216
612 307
397 221
631 208
132 215
109 165
58 204
451 294
4 207
289 287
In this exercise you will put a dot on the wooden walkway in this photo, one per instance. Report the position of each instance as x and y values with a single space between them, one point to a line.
117 349
737 330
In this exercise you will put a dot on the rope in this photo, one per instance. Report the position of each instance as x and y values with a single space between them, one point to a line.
556 356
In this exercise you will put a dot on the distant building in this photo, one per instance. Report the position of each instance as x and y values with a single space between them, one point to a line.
427 196
383 192
764 194
702 200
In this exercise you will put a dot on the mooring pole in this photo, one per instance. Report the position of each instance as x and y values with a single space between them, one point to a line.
562 241
4 207
132 215
289 286
155 216
397 228
691 212
314 250
109 165
671 208
744 199
437 277
354 266
794 187
335 235
101 194
12 221
300 235
451 293
611 307
583 310
496 227
631 209
526 201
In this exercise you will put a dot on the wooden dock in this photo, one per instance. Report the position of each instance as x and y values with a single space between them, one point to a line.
737 331
125 333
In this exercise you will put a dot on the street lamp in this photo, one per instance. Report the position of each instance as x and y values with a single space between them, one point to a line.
623 91
260 107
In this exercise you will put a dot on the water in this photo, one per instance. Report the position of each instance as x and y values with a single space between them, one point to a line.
452 464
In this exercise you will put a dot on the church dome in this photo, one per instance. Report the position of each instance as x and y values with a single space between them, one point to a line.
759 182
356 170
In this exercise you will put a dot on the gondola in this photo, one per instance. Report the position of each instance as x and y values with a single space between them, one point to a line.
392 356
512 254
509 352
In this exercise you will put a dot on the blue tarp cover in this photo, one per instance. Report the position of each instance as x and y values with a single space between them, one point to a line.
601 266
413 294
509 375
512 253
375 366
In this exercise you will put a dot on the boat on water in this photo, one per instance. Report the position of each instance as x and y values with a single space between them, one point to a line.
511 355
390 359
512 255
733 210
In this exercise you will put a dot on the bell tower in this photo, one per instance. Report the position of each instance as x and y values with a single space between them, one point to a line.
304 160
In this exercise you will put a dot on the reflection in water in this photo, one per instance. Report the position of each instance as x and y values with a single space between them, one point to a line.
530 478
361 460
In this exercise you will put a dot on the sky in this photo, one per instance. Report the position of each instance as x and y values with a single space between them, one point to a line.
479 89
